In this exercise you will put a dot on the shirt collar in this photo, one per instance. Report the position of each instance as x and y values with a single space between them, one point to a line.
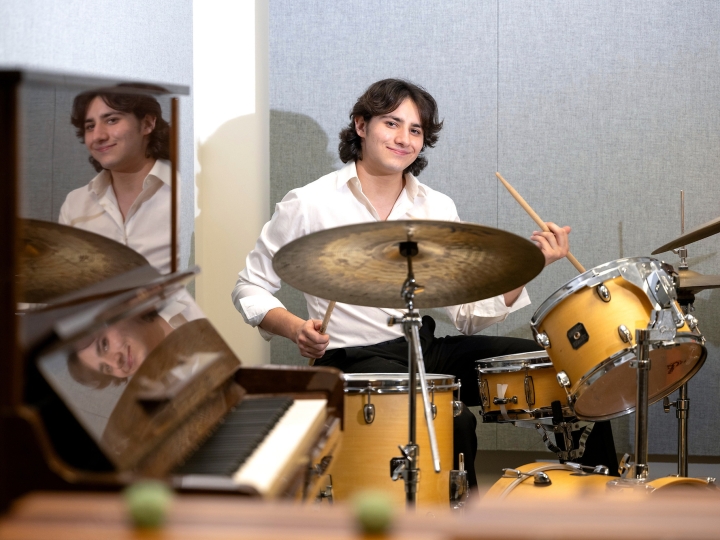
160 171
348 174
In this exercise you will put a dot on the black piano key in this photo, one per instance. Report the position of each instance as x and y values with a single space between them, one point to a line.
236 437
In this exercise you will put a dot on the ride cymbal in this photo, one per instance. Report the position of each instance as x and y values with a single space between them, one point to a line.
703 231
694 282
362 265
56 259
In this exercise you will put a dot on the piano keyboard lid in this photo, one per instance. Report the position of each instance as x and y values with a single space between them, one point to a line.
131 370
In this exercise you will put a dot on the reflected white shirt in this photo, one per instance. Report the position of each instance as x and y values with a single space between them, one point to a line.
146 229
332 201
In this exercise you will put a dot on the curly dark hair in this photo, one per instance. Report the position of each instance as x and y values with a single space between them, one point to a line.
127 99
381 98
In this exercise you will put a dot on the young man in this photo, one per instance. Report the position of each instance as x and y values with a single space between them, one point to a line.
391 124
129 200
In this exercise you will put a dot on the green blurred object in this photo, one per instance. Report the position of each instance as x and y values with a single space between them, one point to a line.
374 511
148 502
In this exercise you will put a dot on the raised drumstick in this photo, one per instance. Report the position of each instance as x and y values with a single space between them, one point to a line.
324 325
536 218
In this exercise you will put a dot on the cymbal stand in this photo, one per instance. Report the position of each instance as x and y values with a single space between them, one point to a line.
407 465
682 405
661 328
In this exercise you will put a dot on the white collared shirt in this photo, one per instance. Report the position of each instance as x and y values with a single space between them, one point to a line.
146 228
332 201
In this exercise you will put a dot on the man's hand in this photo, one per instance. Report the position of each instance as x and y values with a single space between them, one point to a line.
305 334
310 341
554 244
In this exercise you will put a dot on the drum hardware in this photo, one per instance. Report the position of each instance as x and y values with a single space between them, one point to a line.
409 470
529 389
459 489
433 407
603 292
327 493
368 409
457 404
540 478
589 469
565 429
660 329
624 333
505 401
542 340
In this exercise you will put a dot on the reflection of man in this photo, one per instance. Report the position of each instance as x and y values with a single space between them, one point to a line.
129 200
115 353
391 124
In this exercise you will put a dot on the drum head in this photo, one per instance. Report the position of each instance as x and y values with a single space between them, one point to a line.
609 392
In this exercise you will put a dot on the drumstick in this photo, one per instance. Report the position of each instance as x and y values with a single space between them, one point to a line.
536 218
324 325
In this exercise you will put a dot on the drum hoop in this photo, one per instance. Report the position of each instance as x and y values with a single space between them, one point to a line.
394 383
509 367
610 270
542 415
626 355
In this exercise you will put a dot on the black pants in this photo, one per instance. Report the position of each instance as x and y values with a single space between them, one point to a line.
454 355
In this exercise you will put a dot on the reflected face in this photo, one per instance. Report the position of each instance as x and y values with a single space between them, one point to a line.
120 350
391 142
118 140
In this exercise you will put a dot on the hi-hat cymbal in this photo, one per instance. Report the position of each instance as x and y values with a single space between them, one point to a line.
361 264
55 260
694 282
703 231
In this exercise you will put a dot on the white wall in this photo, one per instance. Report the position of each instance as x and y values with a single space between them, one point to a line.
232 157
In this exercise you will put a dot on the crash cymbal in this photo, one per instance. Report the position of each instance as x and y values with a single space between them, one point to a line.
703 231
695 282
361 264
55 260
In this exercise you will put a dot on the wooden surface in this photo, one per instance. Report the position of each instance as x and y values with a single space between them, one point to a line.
93 516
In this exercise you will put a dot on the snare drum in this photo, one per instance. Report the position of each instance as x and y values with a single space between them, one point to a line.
372 435
567 483
588 329
519 387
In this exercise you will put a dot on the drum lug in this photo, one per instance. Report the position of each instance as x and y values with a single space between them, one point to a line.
543 340
603 292
457 408
505 401
563 379
529 390
433 407
369 410
484 394
624 333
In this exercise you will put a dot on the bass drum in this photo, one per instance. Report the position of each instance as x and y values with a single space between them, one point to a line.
588 329
567 483
371 436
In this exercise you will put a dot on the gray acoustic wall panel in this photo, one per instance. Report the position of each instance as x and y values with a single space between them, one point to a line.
598 113
605 112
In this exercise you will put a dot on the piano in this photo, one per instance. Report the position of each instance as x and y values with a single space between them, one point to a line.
123 377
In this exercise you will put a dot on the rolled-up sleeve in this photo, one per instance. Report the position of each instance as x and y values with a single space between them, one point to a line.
476 316
258 282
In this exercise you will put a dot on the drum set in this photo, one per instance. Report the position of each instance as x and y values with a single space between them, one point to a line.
616 339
